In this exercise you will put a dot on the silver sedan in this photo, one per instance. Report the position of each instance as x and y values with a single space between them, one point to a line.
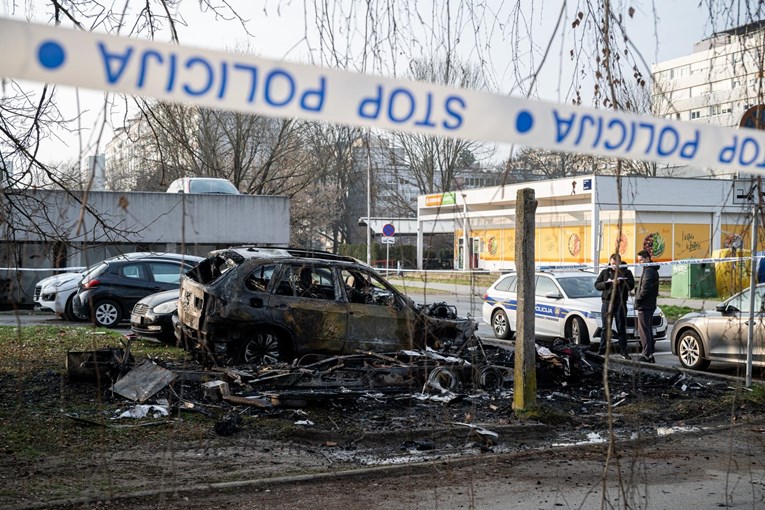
721 334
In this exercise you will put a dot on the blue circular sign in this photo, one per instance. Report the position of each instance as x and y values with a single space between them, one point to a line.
388 230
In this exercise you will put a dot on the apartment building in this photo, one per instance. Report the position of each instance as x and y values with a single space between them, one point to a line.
717 82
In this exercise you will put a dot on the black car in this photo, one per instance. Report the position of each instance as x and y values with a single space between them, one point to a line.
108 293
152 316
253 305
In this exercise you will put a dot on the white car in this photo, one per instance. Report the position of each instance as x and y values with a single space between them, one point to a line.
203 185
567 305
55 293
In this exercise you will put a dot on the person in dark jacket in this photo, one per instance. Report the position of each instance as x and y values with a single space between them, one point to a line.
645 304
614 283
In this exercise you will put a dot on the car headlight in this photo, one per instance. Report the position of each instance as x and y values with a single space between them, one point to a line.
168 307
595 315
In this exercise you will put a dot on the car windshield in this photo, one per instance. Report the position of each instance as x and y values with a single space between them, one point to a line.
212 186
579 286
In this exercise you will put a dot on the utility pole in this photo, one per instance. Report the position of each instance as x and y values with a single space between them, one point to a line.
754 196
525 383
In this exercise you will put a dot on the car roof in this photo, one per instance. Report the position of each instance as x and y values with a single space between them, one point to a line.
174 257
255 252
566 273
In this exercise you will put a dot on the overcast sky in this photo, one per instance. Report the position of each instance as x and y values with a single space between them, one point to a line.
281 34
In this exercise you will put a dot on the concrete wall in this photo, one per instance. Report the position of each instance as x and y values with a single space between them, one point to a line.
189 223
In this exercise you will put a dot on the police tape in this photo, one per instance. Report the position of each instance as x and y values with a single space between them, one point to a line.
282 89
680 262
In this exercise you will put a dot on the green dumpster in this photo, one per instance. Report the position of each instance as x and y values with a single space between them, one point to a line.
693 281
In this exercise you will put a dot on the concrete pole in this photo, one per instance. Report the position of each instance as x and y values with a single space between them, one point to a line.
525 351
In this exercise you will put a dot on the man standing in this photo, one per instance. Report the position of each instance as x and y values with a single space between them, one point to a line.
614 283
645 304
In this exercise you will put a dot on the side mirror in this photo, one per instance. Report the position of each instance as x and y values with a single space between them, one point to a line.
553 295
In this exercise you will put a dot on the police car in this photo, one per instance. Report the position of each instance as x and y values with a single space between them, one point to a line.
567 305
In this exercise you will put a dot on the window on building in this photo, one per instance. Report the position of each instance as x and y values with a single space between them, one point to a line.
695 114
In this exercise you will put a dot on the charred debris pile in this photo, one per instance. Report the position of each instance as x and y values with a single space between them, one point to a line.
470 384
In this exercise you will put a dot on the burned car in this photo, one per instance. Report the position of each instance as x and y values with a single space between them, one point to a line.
260 305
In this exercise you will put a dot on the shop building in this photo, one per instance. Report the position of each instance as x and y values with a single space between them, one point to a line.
578 220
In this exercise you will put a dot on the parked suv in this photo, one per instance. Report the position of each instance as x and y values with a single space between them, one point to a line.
254 305
566 305
108 292
56 293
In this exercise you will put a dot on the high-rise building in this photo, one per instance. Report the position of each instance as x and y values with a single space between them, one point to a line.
715 84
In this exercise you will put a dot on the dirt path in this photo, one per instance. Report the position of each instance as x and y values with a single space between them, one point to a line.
724 468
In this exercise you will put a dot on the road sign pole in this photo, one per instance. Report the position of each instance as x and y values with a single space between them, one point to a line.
387 258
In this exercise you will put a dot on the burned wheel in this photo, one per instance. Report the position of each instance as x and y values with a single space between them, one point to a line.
263 348
576 331
501 325
690 350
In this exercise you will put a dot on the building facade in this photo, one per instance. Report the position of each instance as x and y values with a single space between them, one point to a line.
717 82
581 221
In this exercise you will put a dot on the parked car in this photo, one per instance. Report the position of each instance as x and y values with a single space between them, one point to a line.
108 293
203 185
567 305
255 305
721 334
56 293
152 316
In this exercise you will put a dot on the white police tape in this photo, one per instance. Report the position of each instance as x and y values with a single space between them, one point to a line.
256 85
744 259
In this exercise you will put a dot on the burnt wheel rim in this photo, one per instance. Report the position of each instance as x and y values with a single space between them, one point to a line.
500 324
262 349
576 332
690 350
106 314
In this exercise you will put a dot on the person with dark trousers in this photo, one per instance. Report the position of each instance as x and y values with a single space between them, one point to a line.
614 283
645 304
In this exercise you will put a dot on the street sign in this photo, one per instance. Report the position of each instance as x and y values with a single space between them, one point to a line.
388 230
389 240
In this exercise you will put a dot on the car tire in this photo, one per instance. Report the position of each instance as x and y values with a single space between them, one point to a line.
263 348
690 351
106 313
68 314
576 331
501 325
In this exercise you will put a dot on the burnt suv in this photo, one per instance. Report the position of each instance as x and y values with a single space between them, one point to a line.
260 305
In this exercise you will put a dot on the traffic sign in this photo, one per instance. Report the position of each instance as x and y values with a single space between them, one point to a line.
389 240
388 230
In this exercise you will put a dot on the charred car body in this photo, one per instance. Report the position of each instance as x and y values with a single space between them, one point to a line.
259 305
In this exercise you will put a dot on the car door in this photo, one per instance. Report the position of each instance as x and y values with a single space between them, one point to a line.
379 319
134 281
307 301
546 308
728 333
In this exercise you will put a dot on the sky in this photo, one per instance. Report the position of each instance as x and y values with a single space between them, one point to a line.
281 35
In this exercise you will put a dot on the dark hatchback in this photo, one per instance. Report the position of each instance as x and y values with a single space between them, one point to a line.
254 305
152 316
108 293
